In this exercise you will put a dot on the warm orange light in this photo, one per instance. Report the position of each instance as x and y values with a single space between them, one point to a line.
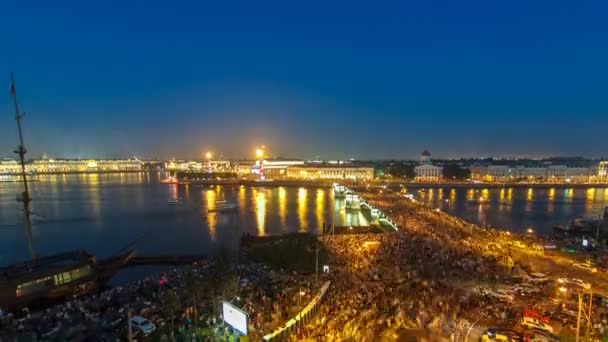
208 155
259 153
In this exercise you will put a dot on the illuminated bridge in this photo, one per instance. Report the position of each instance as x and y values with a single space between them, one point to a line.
355 202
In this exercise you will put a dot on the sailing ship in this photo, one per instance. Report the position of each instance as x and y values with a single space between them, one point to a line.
53 277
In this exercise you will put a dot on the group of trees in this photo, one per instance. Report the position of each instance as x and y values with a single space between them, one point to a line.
202 292
400 170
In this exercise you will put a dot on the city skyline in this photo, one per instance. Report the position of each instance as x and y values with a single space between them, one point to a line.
338 82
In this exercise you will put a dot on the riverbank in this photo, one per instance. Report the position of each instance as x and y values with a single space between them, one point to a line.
185 301
468 185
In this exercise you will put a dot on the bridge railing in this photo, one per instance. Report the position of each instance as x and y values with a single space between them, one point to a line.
301 319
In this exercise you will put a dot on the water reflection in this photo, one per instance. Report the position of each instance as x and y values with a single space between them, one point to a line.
210 200
241 198
93 180
320 207
302 209
551 201
260 212
283 206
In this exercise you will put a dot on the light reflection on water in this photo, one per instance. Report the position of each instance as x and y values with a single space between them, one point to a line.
104 212
519 208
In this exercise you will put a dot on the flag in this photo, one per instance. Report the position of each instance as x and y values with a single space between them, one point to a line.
12 88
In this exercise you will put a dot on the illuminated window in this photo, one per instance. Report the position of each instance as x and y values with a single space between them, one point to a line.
62 278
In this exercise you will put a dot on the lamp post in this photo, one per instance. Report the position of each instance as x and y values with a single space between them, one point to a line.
466 338
259 153
208 156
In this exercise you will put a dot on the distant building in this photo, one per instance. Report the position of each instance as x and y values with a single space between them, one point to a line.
550 174
54 166
198 166
275 168
9 167
602 172
84 165
425 157
311 172
428 173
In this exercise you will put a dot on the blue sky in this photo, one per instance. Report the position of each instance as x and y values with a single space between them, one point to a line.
329 79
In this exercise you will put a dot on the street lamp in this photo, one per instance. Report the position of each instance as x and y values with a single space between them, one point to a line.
466 337
259 153
208 155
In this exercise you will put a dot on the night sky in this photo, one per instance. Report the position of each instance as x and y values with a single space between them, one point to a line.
329 79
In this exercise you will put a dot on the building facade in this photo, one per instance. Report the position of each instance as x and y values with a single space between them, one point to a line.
312 172
428 173
198 166
548 174
49 166
602 172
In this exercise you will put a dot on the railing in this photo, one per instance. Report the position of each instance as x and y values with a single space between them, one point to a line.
301 319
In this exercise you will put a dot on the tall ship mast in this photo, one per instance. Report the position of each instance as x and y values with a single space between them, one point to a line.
21 151
53 277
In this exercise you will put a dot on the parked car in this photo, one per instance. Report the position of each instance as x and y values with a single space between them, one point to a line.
585 266
143 325
537 335
537 278
526 289
574 282
517 244
494 334
500 294
533 323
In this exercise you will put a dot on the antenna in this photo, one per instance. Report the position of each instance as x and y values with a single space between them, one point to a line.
25 195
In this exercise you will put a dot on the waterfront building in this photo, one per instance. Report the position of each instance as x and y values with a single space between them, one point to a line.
602 172
198 166
244 168
550 174
50 166
9 167
531 173
275 168
428 173
498 173
337 172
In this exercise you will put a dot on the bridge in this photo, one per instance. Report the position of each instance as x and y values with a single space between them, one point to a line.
355 202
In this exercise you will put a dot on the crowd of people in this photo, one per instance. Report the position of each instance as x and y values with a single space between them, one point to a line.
182 300
420 282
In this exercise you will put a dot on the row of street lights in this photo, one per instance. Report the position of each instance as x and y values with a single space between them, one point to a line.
259 153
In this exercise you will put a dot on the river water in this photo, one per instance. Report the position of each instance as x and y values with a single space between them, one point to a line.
517 209
103 213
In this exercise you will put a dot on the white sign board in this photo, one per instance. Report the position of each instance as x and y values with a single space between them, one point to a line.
234 317
585 243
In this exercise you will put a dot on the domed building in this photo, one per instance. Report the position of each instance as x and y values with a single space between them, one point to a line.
426 171
425 157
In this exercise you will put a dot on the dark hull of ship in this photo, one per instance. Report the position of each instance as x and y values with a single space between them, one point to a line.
12 299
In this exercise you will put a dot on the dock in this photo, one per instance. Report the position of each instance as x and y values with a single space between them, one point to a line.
165 260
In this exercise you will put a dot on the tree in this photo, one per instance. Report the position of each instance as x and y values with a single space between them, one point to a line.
195 290
454 171
171 304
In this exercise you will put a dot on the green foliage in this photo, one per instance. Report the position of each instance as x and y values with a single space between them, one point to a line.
454 171
295 252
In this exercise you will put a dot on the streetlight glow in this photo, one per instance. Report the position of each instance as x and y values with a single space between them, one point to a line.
259 153
208 155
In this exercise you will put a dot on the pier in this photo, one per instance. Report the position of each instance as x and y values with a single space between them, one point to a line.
165 260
